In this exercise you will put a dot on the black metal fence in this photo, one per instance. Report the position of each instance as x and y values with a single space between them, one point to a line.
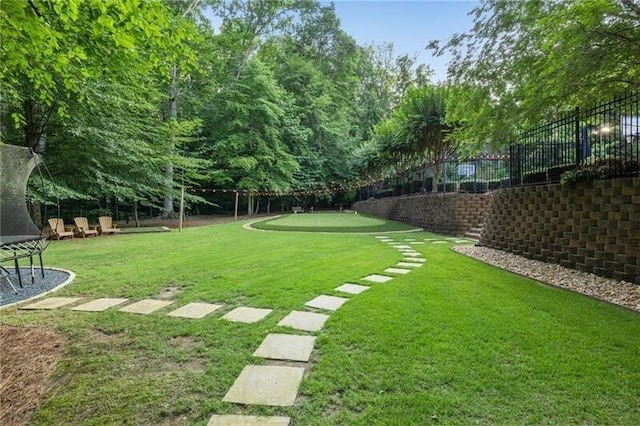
597 143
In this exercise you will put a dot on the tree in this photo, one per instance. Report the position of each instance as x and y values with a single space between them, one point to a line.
526 60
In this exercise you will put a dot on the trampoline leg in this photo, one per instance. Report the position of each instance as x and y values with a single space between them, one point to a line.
41 267
15 260
33 280
5 275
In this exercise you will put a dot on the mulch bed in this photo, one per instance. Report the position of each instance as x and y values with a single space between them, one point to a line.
28 355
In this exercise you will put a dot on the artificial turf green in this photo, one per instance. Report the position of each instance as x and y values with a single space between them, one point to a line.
330 222
454 342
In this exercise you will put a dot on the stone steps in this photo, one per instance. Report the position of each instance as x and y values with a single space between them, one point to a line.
474 233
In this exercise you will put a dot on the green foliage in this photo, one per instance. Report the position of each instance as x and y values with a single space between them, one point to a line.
524 61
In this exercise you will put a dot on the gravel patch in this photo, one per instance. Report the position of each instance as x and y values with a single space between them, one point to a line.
614 291
52 279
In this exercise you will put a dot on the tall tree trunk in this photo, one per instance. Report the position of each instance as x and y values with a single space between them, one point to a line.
167 202
257 206
135 213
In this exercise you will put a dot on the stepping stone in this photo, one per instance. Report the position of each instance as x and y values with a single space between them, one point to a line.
377 278
266 385
417 242
52 303
409 239
146 306
381 237
305 321
330 303
397 271
409 264
195 310
451 238
414 259
431 239
247 315
404 247
407 250
411 254
439 242
233 420
460 241
286 347
352 288
99 305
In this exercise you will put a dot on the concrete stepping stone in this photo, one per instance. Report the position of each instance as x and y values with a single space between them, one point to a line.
409 264
461 241
52 303
403 246
247 315
146 306
407 250
439 242
352 288
329 303
414 259
266 385
99 305
431 239
409 239
235 420
397 271
375 278
286 347
451 238
381 237
195 310
305 321
416 242
411 254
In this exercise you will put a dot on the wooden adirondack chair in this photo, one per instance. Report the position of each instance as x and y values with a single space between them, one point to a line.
84 229
58 230
106 225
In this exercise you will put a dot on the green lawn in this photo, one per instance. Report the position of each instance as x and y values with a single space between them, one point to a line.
456 339
331 222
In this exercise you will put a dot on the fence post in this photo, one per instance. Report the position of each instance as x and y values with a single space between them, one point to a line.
578 142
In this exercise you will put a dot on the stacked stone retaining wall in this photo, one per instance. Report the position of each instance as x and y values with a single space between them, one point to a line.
592 226
449 214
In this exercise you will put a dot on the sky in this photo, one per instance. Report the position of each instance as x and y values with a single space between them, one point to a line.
409 25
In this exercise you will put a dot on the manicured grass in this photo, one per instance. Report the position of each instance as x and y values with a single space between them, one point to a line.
331 222
455 339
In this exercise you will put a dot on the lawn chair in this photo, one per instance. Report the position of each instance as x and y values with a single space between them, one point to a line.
106 225
58 230
84 229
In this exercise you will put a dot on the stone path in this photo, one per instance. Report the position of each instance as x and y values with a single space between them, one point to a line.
305 321
286 347
266 385
247 315
329 303
195 310
273 385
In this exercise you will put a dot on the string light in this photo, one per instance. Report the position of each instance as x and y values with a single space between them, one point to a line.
344 186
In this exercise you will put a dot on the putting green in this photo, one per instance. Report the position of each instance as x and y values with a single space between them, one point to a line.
330 222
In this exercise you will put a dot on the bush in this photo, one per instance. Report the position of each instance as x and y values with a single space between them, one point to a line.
450 187
534 177
474 186
600 169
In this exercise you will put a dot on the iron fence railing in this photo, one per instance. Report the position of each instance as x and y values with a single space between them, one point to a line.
600 142
596 143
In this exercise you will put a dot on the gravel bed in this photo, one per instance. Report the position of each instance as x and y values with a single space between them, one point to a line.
52 279
614 291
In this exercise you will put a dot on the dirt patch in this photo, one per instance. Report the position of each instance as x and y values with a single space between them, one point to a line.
185 343
169 292
28 356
